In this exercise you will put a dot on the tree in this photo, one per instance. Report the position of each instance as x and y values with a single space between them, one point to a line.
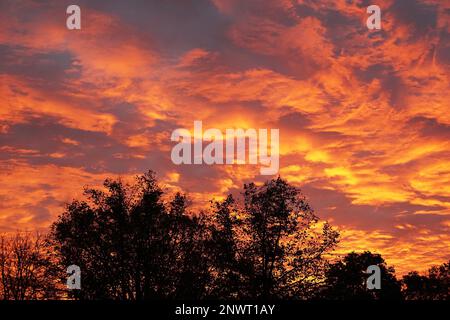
27 269
270 245
130 244
133 242
433 286
346 279
227 260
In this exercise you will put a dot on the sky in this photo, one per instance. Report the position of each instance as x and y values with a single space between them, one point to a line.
363 114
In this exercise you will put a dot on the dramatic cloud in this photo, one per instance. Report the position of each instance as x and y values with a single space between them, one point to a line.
363 115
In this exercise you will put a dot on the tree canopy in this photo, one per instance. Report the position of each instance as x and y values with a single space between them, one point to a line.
346 279
131 244
132 241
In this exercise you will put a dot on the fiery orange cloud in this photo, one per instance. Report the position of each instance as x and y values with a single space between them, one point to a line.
363 115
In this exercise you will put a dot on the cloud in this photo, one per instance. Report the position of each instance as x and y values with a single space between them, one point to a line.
362 114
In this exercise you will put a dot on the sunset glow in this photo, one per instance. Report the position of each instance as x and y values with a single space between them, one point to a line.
363 115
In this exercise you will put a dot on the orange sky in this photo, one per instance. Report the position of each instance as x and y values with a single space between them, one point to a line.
363 115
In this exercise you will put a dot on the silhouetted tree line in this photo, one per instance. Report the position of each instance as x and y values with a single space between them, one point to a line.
133 242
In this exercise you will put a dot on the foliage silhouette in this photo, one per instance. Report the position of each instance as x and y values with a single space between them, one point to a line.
346 279
27 269
134 242
270 245
130 244
433 286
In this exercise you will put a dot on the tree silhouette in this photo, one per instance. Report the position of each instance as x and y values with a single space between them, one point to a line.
346 279
130 245
133 242
433 286
228 263
270 245
27 269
